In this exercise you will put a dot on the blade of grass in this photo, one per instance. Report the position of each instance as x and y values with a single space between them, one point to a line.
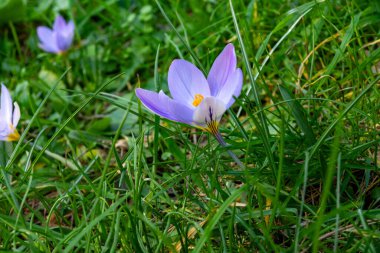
27 188
327 184
345 42
183 40
84 104
74 237
337 192
341 115
156 118
216 217
23 135
299 115
365 226
303 194
263 121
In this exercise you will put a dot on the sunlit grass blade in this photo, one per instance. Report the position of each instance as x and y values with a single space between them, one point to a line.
262 124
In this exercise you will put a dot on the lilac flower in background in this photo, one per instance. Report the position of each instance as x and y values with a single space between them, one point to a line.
58 39
9 117
198 101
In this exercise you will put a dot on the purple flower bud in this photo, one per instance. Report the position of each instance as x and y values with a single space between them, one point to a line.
58 39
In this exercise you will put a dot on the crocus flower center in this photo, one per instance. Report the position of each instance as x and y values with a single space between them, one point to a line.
197 99
14 135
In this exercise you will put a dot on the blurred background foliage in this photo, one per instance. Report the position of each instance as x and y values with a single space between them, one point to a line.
327 54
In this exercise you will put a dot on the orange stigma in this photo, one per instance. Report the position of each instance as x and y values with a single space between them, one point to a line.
197 99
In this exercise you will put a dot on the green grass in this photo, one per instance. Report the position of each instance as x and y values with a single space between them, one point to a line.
94 171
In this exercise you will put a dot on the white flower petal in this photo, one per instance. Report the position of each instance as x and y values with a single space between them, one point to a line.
6 105
16 115
210 111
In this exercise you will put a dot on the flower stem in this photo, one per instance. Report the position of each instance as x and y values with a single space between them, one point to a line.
3 154
5 149
221 141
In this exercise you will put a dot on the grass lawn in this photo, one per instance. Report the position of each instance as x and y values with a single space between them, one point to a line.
95 171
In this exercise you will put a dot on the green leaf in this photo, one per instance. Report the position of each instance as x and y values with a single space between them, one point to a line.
99 125
299 115
12 10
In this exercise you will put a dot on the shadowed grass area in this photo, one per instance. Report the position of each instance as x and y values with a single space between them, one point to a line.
94 171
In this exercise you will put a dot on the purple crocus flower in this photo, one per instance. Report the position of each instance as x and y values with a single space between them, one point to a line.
197 101
9 117
58 39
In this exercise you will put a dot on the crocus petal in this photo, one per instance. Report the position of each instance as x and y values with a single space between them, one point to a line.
197 101
209 111
4 129
232 88
59 23
70 30
16 115
70 27
154 102
48 39
185 81
65 36
64 41
161 104
59 39
182 113
223 66
6 105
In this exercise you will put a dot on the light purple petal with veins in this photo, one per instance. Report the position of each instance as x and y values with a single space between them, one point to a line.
182 113
161 104
232 88
185 81
223 66
154 102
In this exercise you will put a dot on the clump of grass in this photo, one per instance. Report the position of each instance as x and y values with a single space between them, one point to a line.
94 171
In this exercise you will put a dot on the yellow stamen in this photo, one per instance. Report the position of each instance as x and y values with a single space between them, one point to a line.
14 136
197 99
